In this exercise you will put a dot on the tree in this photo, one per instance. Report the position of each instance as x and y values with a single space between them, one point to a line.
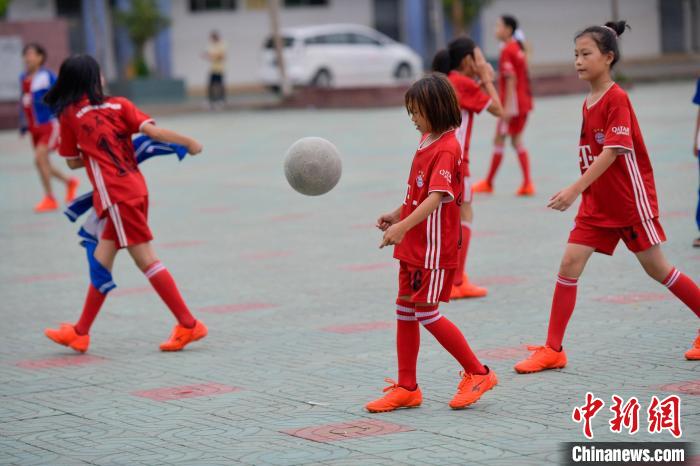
142 23
4 5
463 12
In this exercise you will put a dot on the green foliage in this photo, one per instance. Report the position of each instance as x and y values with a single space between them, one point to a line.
468 10
142 23
4 5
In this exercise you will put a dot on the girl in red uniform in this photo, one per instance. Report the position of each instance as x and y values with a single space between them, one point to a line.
619 195
472 78
514 88
426 232
96 134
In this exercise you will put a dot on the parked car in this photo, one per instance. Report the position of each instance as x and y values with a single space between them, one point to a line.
339 55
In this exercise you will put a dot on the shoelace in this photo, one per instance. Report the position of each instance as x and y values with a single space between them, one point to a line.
466 378
536 349
392 385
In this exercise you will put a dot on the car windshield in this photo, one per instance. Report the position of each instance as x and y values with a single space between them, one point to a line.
286 42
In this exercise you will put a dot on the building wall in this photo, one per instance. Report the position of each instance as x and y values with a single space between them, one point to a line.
551 36
244 31
24 10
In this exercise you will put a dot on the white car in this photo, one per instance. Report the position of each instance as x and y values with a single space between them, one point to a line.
339 55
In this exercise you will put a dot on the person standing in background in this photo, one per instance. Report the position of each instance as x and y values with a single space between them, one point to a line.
216 54
696 153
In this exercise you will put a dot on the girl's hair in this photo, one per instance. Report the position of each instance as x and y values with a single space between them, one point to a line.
460 48
512 23
441 62
606 36
38 48
435 99
79 77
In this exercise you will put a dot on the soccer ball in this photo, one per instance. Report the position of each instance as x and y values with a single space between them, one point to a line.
312 166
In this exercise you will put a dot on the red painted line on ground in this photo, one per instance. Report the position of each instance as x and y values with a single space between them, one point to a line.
363 226
497 280
217 209
49 277
62 361
485 233
234 308
358 328
503 354
675 214
289 217
634 298
130 291
347 430
186 391
368 267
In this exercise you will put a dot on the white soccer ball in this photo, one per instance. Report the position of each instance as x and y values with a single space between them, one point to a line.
312 166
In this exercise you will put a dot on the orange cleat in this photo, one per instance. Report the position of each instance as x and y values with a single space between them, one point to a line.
483 186
71 188
467 290
397 398
47 204
543 358
693 354
471 387
527 189
182 336
66 336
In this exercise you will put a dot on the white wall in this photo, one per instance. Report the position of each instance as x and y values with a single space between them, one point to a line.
550 26
244 31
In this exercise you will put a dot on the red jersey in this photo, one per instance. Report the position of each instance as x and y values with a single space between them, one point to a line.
513 63
625 194
101 135
472 99
433 243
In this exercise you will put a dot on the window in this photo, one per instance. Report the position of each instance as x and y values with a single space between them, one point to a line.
363 40
286 42
199 6
329 39
298 3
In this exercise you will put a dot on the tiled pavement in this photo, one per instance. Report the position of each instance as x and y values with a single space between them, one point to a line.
299 302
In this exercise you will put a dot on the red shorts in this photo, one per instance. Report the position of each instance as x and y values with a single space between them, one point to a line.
46 135
637 238
512 127
425 286
127 223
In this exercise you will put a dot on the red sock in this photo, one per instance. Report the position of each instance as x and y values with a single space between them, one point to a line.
563 304
407 343
496 159
93 303
462 266
166 288
524 159
685 289
449 336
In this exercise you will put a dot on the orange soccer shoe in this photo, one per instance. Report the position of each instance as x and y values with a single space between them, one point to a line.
72 188
396 398
182 336
467 290
527 189
65 335
543 358
693 354
471 387
47 204
483 186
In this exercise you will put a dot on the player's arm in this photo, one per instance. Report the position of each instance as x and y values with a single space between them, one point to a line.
75 164
396 232
387 220
564 198
511 107
166 135
486 76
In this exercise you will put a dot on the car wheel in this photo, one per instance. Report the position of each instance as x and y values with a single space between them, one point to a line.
322 79
403 72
